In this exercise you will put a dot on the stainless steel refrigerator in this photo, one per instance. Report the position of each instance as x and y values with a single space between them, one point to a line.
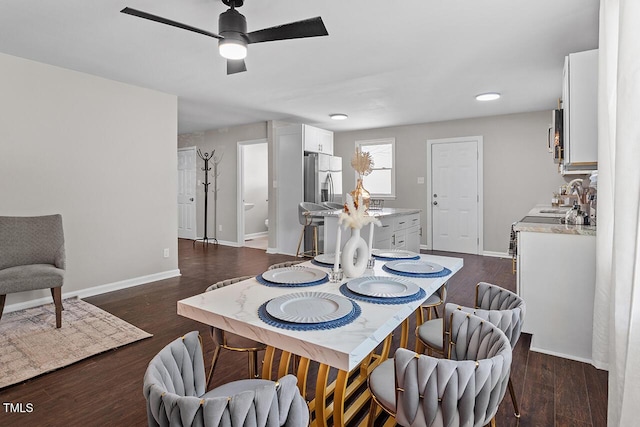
322 178
322 183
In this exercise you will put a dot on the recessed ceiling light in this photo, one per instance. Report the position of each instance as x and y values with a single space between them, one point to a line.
338 116
490 96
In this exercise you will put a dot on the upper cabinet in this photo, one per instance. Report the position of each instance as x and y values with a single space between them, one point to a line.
580 118
317 140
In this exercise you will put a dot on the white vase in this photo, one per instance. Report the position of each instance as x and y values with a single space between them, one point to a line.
354 265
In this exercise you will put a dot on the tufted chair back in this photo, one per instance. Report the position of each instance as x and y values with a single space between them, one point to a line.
284 264
174 387
501 307
465 391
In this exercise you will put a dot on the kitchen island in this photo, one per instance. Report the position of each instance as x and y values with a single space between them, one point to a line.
556 279
400 229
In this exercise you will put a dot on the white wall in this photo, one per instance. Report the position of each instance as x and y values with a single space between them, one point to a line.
225 142
255 187
101 153
518 171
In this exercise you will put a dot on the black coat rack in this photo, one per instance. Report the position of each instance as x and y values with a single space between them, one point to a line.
206 157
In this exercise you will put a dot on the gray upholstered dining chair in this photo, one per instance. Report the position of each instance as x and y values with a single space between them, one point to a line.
32 257
499 306
430 306
223 340
284 264
466 390
309 221
174 389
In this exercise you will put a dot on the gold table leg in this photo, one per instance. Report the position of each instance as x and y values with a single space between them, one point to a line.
330 398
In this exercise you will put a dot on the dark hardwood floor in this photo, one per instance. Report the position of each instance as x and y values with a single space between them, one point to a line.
107 389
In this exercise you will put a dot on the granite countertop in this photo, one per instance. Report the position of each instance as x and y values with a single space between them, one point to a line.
558 228
584 230
386 212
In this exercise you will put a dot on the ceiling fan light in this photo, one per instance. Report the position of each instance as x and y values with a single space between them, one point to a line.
338 116
490 96
232 49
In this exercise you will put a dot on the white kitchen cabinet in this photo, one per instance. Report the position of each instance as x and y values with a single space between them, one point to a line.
317 140
399 232
580 108
556 279
288 178
382 235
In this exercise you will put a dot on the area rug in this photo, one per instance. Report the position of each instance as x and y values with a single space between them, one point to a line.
30 344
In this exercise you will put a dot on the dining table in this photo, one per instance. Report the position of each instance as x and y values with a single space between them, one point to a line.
353 346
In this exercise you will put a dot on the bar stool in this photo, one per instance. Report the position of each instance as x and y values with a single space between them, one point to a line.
333 205
309 221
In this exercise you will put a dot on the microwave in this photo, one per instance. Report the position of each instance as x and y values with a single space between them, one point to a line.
555 139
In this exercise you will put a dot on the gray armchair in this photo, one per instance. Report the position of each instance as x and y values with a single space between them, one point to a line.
499 306
423 391
174 388
32 257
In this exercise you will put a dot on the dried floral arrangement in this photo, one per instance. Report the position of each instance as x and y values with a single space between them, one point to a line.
362 162
355 215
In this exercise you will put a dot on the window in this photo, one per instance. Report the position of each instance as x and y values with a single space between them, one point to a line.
381 182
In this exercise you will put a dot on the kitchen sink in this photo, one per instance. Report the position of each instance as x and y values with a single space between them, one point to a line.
543 219
553 211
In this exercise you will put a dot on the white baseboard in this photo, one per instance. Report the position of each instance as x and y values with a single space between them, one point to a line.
564 356
255 235
220 242
484 253
496 254
96 290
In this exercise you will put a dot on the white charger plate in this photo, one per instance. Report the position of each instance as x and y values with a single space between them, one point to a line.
293 275
326 258
394 253
383 287
415 266
309 307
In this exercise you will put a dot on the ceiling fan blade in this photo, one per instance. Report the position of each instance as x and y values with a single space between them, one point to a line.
312 27
145 15
235 66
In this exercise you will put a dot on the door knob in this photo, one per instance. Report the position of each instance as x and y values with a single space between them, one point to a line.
435 203
191 199
435 195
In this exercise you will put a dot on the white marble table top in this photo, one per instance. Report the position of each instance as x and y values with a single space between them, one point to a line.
383 212
235 309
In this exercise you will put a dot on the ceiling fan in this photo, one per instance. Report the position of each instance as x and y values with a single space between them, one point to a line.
233 38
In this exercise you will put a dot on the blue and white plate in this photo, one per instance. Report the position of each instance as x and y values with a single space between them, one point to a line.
414 266
327 259
309 307
294 275
392 254
383 287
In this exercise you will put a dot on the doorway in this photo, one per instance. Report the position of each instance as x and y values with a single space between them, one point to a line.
455 195
187 193
253 198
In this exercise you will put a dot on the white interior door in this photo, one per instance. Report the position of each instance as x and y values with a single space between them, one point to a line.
455 194
187 193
